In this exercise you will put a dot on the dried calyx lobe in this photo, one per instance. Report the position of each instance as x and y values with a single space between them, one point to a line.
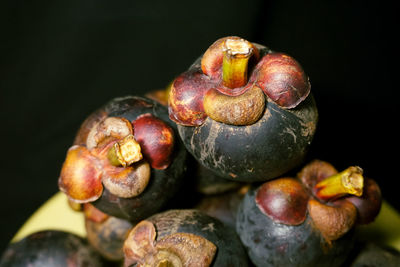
124 154
317 204
183 238
230 81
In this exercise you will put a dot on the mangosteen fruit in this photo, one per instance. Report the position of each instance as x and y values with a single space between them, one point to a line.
370 254
106 233
223 206
126 159
183 238
244 111
208 183
308 220
51 248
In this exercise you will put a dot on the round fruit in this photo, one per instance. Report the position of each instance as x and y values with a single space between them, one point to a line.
374 255
223 206
308 220
126 159
51 248
106 233
183 238
244 111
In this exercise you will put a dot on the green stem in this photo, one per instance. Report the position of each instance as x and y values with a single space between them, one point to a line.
237 53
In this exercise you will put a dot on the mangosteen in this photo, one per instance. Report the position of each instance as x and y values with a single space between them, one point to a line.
208 183
126 159
370 254
308 220
106 233
223 206
183 238
244 111
51 248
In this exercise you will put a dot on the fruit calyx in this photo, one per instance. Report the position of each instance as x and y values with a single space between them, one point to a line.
94 214
231 67
335 201
177 250
341 199
284 200
118 155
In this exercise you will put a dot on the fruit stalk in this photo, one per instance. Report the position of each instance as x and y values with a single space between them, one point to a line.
125 152
237 53
347 182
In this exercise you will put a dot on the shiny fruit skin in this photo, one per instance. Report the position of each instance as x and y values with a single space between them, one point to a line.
374 255
51 248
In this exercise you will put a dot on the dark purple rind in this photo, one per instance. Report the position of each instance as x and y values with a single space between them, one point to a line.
222 206
108 237
269 243
374 255
51 248
273 145
163 184
162 187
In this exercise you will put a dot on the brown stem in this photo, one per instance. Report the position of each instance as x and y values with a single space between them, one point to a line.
349 181
237 53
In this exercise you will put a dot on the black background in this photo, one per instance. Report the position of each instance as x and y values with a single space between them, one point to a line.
60 60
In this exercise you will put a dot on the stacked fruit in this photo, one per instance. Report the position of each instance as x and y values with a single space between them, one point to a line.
247 117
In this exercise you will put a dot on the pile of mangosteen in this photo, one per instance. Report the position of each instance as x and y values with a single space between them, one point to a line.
210 171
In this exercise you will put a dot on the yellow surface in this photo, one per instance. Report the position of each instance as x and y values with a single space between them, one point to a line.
385 229
56 214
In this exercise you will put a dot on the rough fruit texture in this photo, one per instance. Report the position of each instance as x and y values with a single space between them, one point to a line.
273 145
235 111
243 111
177 249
